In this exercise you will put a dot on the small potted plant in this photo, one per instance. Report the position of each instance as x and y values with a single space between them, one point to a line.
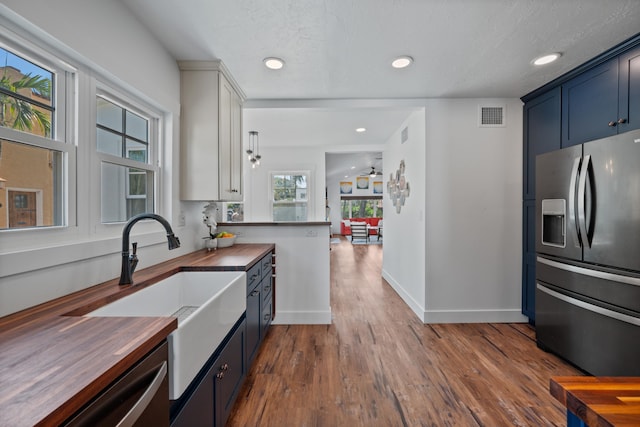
208 217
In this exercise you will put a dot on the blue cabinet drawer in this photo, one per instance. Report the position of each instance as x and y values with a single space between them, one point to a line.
266 265
254 275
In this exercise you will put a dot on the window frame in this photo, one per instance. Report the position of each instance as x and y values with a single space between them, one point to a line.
309 192
63 138
374 199
155 119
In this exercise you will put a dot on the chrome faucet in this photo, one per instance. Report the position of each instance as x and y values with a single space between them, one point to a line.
129 262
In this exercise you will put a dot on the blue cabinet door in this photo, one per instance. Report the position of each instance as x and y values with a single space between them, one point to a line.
590 105
254 300
229 373
629 86
542 134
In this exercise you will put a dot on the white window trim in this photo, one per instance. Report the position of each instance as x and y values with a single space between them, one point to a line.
64 140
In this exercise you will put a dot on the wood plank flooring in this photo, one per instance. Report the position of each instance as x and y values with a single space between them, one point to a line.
378 365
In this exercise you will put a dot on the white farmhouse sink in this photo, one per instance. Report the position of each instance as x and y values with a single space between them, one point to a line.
207 304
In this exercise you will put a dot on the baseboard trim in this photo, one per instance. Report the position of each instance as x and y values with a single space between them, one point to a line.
474 316
455 316
408 299
302 317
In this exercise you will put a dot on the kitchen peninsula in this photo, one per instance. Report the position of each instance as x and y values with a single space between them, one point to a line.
53 359
303 266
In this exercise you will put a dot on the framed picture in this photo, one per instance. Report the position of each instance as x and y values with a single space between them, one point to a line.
362 182
346 187
377 187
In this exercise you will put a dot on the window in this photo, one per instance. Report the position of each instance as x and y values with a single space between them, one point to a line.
125 150
234 211
290 196
35 156
361 207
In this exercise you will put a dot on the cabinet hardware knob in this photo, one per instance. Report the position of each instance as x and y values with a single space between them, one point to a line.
254 293
220 375
224 367
621 121
267 316
612 124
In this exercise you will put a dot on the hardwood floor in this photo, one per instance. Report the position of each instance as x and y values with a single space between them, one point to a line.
378 365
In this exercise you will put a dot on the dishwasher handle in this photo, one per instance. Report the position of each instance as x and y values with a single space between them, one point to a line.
134 413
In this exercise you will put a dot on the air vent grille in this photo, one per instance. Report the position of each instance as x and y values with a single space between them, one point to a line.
492 116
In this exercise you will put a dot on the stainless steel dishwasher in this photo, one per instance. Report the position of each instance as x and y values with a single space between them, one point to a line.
140 397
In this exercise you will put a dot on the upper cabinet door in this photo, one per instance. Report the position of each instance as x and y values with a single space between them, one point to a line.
629 108
541 134
230 143
590 105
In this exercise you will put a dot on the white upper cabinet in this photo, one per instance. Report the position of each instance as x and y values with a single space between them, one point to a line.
211 132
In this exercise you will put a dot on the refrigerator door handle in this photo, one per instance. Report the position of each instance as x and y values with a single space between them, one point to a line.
582 185
629 280
587 306
572 201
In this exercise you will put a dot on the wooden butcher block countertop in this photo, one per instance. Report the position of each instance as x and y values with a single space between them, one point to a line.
600 401
53 360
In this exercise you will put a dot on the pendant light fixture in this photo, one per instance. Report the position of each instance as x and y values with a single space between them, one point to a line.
253 152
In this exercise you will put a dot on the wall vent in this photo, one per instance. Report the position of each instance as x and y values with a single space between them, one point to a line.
492 116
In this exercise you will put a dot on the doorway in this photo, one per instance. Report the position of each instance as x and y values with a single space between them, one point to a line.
23 209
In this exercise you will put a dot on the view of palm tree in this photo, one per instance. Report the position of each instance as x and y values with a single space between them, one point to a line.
25 99
29 172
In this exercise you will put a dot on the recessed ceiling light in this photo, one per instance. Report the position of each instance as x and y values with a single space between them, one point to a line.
360 130
546 59
273 63
353 167
402 62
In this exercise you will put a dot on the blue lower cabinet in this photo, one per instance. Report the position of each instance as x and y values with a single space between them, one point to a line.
574 421
229 372
254 300
210 397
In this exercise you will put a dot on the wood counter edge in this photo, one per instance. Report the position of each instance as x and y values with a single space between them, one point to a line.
566 389
84 396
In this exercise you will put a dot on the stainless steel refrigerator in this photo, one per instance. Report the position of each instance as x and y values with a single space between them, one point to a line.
588 254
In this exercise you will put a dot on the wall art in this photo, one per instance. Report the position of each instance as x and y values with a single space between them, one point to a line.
398 187
346 187
362 182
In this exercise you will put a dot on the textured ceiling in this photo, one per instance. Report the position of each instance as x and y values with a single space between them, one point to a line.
342 49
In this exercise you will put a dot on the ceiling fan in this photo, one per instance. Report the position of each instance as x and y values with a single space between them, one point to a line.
372 173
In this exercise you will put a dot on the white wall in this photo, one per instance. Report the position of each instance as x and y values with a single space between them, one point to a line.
473 219
403 264
466 185
103 36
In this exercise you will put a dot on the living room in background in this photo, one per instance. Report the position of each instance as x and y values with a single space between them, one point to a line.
367 209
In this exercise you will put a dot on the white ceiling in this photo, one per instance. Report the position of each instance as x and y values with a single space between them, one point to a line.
342 49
